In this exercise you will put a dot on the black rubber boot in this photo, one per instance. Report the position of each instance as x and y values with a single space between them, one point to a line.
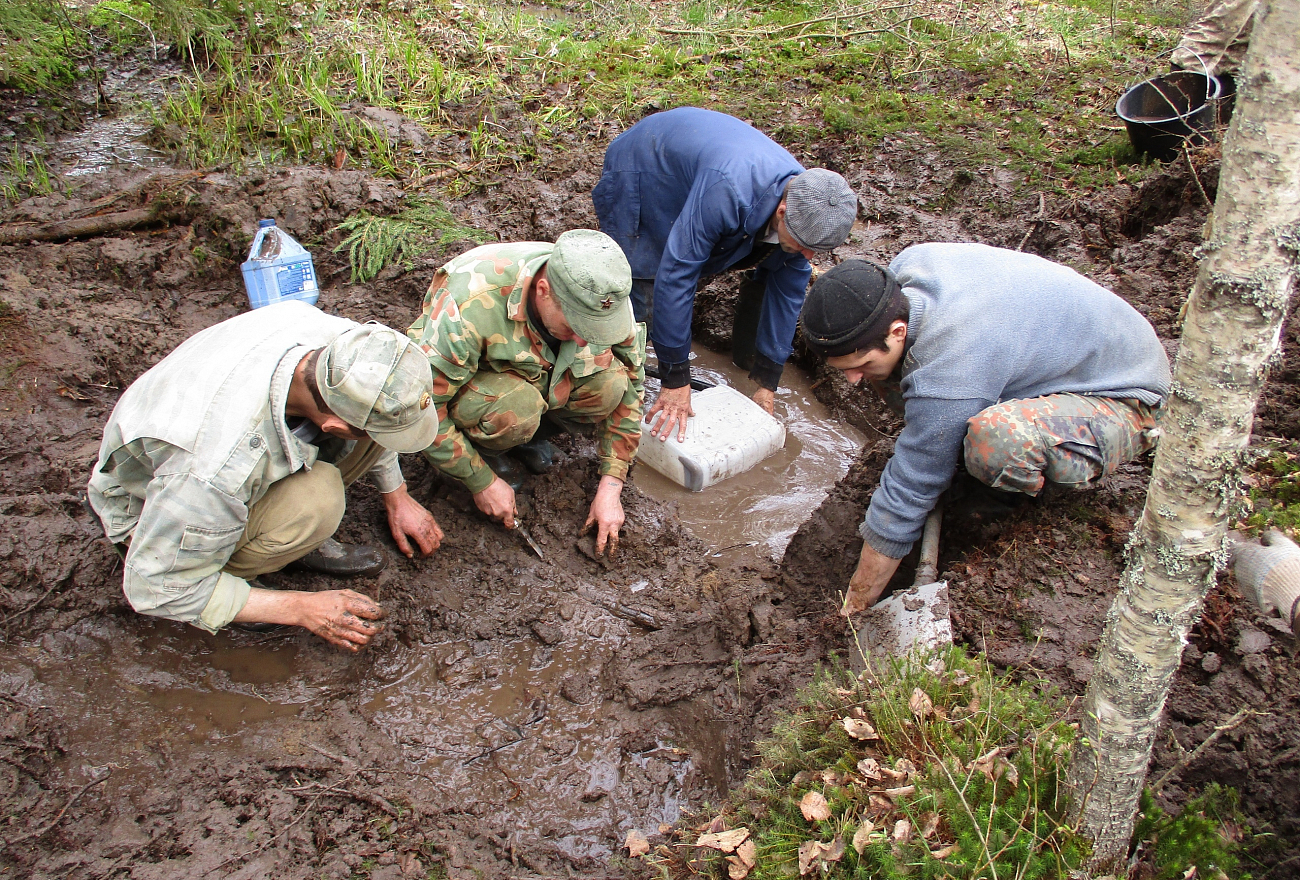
343 560
506 468
537 454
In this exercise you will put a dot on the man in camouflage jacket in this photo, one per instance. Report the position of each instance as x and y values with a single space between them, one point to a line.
515 331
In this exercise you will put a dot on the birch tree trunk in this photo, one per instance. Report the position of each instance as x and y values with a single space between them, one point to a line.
1231 331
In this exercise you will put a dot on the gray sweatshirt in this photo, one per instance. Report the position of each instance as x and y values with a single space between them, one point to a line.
988 325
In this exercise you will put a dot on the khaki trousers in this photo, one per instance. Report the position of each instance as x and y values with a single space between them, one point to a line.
298 513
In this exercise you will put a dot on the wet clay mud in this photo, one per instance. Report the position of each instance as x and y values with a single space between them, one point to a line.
512 721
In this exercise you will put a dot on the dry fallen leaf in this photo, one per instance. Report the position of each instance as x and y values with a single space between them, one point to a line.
636 844
959 677
859 729
724 841
815 855
869 768
879 805
945 852
862 836
929 825
747 852
986 762
902 791
814 807
718 824
920 704
902 831
834 777
902 765
1008 771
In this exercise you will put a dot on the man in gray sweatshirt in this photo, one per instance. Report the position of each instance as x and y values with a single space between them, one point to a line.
1023 368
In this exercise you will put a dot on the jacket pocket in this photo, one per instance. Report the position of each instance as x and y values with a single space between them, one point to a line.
201 554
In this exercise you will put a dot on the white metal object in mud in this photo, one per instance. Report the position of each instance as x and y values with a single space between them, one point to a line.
728 435
917 618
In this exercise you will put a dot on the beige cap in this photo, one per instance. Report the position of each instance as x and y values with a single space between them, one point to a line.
376 379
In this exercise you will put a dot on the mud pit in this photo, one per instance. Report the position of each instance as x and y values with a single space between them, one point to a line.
141 748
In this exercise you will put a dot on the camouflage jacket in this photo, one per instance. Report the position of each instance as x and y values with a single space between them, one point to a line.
474 318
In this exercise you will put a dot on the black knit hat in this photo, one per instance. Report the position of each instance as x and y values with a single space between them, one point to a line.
848 308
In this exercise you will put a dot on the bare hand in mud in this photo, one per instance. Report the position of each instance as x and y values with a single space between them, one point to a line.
498 502
606 514
410 522
868 581
767 400
342 617
673 408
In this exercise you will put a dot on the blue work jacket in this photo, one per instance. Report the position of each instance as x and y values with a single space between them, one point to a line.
686 193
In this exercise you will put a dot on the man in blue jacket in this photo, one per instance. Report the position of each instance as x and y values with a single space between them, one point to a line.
690 193
1021 368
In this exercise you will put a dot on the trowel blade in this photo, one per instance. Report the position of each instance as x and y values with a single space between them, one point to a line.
523 533
917 617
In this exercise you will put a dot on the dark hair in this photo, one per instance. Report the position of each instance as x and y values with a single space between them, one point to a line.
309 376
874 337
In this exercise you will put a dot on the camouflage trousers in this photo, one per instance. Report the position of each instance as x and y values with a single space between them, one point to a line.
1068 439
498 411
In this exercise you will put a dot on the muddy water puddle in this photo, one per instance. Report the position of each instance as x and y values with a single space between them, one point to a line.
757 512
528 729
125 689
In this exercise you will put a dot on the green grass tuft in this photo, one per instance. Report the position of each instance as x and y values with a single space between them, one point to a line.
39 45
373 242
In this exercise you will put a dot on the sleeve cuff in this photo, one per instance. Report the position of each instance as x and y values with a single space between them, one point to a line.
766 372
387 473
884 546
674 375
614 467
228 599
480 479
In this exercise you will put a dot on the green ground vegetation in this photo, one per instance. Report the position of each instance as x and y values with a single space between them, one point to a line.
373 242
929 767
1203 840
1272 489
1020 83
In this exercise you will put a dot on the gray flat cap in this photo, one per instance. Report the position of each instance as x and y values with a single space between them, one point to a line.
820 208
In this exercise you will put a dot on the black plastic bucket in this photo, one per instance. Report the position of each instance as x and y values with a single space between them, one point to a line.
1166 110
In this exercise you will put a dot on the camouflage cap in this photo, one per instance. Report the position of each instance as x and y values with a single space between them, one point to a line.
376 379
592 281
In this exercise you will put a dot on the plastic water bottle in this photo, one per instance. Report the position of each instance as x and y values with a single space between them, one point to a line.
278 268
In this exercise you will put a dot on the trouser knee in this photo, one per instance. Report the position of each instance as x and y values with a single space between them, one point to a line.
294 517
594 397
497 411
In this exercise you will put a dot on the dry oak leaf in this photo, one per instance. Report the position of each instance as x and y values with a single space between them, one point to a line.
815 855
920 704
859 729
740 864
724 841
814 807
636 844
862 836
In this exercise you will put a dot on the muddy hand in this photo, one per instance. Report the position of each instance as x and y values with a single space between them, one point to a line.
869 580
606 514
342 617
498 502
671 408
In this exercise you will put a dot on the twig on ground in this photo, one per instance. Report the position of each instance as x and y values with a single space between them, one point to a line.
1232 723
1033 225
108 771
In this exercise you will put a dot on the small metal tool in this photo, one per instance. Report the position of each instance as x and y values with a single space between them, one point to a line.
523 533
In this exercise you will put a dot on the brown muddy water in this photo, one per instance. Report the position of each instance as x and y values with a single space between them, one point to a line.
757 512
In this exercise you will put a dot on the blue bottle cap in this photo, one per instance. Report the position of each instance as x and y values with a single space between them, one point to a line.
262 224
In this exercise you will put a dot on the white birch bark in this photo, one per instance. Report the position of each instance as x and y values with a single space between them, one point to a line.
1231 331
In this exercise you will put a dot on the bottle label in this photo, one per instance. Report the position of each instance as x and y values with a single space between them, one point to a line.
295 278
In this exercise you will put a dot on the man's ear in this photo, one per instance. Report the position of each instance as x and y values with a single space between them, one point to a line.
898 330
